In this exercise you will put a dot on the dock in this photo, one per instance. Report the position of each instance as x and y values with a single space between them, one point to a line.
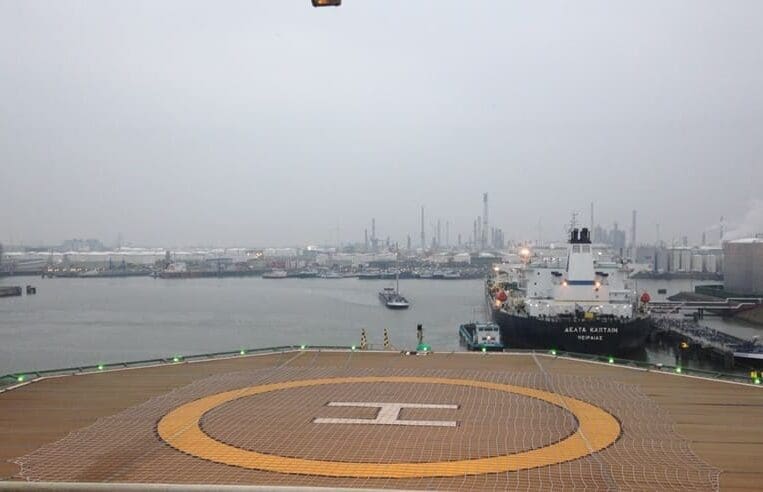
375 419
714 343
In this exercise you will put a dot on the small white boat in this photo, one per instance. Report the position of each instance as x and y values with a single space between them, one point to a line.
330 274
275 274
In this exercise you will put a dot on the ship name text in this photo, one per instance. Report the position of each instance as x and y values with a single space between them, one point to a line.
592 329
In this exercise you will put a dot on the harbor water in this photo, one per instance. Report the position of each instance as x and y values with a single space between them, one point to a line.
71 322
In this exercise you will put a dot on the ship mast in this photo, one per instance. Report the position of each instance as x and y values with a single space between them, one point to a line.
397 271
573 222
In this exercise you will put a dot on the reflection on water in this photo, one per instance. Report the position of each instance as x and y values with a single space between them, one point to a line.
74 322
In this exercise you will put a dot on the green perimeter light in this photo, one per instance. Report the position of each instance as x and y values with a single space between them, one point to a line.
353 347
100 367
303 346
553 351
20 378
242 352
678 370
484 349
176 359
757 381
611 360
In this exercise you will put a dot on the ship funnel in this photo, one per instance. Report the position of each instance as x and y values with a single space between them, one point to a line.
574 238
585 236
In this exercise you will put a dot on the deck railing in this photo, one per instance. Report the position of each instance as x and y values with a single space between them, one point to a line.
13 379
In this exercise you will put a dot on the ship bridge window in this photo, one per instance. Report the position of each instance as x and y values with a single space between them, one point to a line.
662 291
576 248
586 249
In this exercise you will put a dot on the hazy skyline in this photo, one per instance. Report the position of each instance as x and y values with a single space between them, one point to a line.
274 123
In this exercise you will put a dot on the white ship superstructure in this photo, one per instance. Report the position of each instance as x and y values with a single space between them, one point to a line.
577 283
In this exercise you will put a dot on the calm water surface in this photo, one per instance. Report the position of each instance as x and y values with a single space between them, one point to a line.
87 321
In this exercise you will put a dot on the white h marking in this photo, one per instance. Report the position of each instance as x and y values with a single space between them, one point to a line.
389 414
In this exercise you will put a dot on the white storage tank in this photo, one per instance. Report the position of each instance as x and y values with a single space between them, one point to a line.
743 266
696 263
685 260
710 264
675 260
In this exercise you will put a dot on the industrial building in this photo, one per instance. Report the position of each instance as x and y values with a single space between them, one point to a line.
743 266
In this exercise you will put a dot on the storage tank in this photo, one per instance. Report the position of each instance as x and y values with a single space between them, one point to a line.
743 266
685 260
696 263
710 264
675 260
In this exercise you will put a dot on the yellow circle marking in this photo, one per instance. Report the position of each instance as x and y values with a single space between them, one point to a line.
181 429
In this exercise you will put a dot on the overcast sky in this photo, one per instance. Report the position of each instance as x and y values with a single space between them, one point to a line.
273 123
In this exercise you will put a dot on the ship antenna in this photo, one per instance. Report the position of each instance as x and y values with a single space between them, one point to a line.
397 272
573 221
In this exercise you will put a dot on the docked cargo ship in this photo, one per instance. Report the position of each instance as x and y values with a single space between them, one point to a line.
574 305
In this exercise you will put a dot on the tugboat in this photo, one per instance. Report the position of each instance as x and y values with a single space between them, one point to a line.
480 336
391 297
576 308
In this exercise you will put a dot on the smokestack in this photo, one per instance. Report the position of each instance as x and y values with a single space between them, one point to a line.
423 235
365 231
439 234
479 233
722 227
484 221
592 224
447 234
633 231
374 241
474 237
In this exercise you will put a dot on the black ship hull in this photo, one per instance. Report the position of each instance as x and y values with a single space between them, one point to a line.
597 336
